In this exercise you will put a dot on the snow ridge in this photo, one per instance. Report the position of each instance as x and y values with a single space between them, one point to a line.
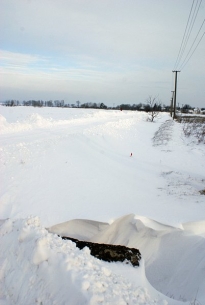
40 268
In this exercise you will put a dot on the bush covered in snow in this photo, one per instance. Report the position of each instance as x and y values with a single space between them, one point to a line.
193 126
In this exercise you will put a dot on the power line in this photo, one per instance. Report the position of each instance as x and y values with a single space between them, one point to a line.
188 32
190 27
193 51
184 35
193 43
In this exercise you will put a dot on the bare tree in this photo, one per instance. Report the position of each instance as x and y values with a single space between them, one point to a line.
154 108
78 104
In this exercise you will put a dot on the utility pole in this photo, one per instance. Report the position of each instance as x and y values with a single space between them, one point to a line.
171 108
175 93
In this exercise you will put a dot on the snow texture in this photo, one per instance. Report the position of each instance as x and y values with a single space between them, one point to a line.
72 169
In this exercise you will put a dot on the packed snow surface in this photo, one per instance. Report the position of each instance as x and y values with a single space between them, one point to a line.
72 170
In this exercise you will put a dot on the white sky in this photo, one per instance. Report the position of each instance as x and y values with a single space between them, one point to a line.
111 51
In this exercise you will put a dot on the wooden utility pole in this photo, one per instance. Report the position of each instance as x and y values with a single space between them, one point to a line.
171 108
175 93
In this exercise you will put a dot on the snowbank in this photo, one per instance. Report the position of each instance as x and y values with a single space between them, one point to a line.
174 257
40 268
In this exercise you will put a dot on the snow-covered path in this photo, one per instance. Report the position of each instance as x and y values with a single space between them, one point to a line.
66 164
73 163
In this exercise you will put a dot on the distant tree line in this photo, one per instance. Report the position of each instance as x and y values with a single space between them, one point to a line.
148 106
60 103
37 103
94 105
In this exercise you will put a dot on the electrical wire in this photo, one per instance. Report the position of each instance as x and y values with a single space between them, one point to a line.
188 33
193 51
192 44
192 22
176 63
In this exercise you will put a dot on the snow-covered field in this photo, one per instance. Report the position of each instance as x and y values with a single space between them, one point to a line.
69 171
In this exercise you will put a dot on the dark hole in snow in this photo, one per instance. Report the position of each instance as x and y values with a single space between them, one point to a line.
109 253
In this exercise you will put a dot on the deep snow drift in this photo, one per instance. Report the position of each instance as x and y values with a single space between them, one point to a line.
68 164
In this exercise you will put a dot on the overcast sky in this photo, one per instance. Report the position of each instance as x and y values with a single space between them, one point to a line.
110 51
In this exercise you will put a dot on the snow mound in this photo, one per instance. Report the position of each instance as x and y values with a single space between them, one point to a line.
164 134
173 257
196 227
78 228
3 123
34 260
31 122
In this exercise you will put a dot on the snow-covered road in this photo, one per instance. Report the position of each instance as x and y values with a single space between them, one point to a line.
64 164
